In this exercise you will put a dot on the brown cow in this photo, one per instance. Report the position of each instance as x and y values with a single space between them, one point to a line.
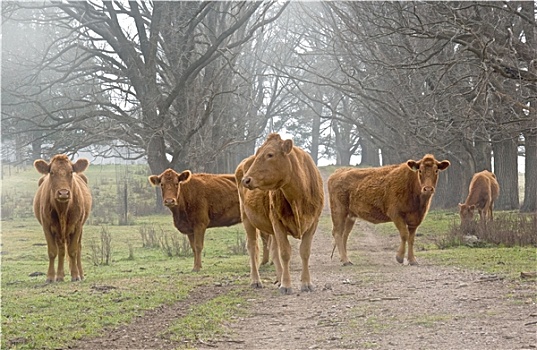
62 204
284 197
197 202
398 193
483 191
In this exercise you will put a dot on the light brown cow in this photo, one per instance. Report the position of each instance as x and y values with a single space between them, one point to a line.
284 197
483 191
197 202
62 204
398 193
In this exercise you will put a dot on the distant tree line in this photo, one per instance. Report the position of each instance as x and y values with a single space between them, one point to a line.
199 84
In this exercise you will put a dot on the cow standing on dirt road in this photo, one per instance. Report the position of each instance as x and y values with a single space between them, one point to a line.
284 196
399 193
62 205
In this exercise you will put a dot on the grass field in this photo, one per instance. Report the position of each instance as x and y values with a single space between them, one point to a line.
139 278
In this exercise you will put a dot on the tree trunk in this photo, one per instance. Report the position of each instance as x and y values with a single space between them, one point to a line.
506 171
530 173
370 153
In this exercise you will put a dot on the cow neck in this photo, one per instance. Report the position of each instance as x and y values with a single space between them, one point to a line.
180 211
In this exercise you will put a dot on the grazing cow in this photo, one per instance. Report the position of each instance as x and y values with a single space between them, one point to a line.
483 191
62 204
399 193
281 193
197 202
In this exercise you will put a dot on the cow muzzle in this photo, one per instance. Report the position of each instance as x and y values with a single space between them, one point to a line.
247 182
63 195
170 202
427 190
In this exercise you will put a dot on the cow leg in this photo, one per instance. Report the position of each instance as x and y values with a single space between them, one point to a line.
52 249
305 251
404 234
275 253
253 252
60 274
265 239
73 247
285 259
79 259
411 235
197 246
349 224
341 227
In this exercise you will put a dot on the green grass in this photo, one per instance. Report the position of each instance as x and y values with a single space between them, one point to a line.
37 315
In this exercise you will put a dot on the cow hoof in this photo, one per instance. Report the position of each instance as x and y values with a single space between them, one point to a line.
49 280
413 263
195 270
348 263
76 279
399 259
257 285
307 288
59 279
286 291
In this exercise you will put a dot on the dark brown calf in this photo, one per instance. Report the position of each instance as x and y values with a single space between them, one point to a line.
62 204
398 193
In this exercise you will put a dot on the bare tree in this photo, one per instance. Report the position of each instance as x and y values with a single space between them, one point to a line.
163 67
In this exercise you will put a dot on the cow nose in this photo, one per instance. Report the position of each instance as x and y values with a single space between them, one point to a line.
169 202
64 194
428 189
246 181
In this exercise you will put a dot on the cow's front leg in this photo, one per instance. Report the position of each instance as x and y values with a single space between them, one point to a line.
285 258
404 235
253 252
305 251
52 249
411 236
73 248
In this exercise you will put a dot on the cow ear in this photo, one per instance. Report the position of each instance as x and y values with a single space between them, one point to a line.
443 165
154 180
287 146
413 165
185 176
42 166
80 165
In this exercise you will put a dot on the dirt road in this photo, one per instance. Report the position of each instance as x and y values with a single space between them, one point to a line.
375 304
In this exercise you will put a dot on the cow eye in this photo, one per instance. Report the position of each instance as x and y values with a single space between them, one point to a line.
270 155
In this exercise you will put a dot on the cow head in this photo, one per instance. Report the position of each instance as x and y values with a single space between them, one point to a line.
170 184
60 172
427 169
271 167
466 212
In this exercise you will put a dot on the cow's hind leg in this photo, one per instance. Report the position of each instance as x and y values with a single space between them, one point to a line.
341 228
